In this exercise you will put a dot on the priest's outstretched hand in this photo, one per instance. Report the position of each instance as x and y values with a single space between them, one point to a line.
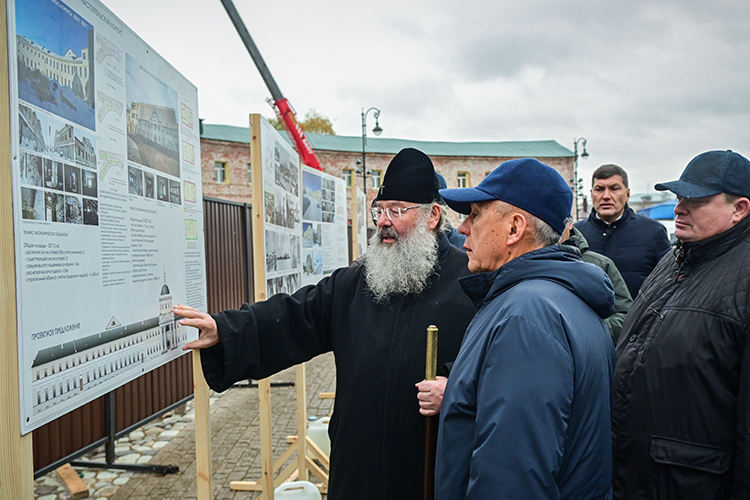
209 333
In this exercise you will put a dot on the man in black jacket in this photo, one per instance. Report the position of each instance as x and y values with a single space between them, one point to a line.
374 318
681 417
634 243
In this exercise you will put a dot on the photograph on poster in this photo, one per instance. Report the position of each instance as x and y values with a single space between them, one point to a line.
73 210
72 179
54 207
153 134
269 206
313 262
311 196
32 204
55 67
53 174
286 171
31 169
311 235
174 192
149 188
89 183
135 181
162 188
61 140
85 148
90 212
31 129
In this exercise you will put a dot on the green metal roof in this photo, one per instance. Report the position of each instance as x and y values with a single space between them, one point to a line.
325 142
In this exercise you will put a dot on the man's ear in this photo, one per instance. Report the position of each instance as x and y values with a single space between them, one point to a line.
434 220
741 209
518 226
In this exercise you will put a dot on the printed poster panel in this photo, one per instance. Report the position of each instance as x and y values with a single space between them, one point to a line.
325 245
107 204
282 226
363 215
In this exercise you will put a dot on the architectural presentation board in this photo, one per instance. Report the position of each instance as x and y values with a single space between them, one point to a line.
107 197
363 215
325 245
282 226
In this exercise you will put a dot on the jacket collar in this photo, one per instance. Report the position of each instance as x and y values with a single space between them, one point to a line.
627 216
705 250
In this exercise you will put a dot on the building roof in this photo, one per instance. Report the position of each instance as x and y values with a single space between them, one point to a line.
325 142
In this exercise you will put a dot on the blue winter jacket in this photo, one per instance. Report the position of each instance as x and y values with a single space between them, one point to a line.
526 411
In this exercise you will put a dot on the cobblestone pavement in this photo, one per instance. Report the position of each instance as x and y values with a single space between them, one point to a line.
235 443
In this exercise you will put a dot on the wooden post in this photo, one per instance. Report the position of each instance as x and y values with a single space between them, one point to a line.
300 385
17 463
203 470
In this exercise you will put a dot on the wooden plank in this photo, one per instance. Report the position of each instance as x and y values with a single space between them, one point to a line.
72 482
327 395
16 475
300 385
202 430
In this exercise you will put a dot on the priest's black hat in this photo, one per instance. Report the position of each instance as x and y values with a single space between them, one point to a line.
410 177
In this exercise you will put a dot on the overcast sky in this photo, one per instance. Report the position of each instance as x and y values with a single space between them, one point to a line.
650 84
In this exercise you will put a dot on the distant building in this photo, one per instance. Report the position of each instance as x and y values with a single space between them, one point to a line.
68 69
225 157
65 142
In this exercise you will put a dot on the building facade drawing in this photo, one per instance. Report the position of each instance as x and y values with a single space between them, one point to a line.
68 69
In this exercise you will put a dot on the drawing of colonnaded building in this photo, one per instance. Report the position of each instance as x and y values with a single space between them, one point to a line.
68 69
154 124
65 371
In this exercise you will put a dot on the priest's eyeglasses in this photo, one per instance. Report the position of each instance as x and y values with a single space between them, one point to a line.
391 212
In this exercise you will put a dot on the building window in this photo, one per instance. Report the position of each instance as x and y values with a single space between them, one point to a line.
347 175
249 174
463 179
376 179
220 171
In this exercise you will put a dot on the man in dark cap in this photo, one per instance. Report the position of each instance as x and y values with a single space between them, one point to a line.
526 412
681 417
374 318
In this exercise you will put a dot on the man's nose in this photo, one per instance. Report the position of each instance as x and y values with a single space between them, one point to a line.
679 208
384 220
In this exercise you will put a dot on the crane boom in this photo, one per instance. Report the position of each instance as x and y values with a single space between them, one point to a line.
281 104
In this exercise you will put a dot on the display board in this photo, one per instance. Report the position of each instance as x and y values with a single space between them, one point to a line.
107 204
363 215
325 245
281 212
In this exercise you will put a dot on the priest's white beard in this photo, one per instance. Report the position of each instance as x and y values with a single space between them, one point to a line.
403 267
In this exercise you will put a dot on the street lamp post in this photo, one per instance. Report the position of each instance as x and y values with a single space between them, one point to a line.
377 131
576 181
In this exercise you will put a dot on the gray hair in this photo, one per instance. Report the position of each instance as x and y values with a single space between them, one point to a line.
541 233
442 226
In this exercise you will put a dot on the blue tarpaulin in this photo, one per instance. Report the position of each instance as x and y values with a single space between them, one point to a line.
661 211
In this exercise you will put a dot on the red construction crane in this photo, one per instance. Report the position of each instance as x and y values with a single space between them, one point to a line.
281 104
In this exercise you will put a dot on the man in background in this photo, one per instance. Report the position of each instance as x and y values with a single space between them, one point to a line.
634 243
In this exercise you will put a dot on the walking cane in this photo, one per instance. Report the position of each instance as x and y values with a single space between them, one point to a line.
430 425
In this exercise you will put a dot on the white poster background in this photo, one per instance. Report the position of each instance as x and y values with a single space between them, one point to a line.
325 245
282 227
107 204
363 215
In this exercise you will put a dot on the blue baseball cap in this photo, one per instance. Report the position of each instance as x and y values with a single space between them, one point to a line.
525 183
711 173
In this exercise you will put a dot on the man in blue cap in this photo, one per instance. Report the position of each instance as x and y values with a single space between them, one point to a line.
526 411
681 417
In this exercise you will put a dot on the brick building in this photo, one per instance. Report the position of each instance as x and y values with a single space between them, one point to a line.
225 159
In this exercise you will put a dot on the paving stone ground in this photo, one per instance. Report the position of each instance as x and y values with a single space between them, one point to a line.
235 443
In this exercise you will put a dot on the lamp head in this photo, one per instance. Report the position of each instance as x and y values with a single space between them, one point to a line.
377 130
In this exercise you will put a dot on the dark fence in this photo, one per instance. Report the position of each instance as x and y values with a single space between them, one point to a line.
228 283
